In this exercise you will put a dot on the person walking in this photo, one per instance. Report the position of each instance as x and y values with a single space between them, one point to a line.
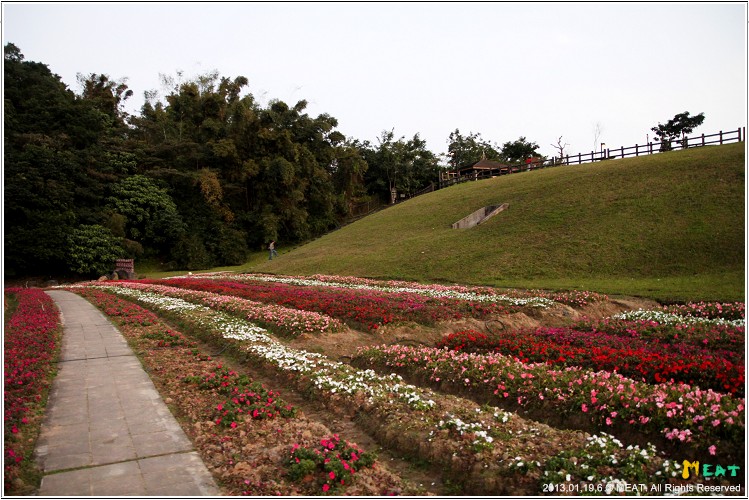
272 250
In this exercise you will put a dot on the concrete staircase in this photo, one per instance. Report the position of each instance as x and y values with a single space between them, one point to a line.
479 216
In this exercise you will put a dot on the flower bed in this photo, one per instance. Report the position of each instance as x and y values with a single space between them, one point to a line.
712 310
668 318
469 294
701 420
627 353
533 298
243 431
715 337
322 371
330 465
484 449
282 320
371 309
31 345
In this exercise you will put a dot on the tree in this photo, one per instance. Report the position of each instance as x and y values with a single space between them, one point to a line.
151 215
348 169
560 147
107 96
517 151
402 165
597 132
678 126
92 250
467 150
51 157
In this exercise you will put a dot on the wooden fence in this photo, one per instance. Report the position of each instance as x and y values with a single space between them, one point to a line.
365 208
369 207
721 137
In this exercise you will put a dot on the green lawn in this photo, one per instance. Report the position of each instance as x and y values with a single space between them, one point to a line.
667 226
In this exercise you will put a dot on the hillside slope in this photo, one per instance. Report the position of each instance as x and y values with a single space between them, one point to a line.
668 226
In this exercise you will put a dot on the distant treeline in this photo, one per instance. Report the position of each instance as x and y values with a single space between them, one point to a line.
201 177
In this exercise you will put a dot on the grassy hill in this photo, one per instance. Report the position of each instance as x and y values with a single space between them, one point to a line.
667 226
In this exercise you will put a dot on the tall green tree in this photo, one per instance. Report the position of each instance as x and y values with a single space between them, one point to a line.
348 169
51 135
467 150
405 166
106 95
677 127
273 167
150 215
92 250
519 150
198 140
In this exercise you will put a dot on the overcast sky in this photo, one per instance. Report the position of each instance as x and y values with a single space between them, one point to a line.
539 70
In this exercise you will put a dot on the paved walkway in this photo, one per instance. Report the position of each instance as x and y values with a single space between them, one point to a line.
107 431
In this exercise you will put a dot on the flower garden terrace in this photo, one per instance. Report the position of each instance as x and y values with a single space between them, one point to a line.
368 304
263 320
334 382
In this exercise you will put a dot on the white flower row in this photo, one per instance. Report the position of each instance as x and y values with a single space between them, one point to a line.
675 319
292 320
231 327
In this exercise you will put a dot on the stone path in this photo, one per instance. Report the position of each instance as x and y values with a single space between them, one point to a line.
107 431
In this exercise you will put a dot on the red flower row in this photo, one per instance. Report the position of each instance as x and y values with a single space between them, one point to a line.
357 307
246 399
30 344
111 305
705 335
641 359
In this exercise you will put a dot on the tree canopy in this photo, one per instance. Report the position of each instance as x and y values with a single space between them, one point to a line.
467 150
677 127
199 177
405 166
519 150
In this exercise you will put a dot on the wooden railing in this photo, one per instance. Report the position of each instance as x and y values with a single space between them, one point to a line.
369 207
365 208
738 135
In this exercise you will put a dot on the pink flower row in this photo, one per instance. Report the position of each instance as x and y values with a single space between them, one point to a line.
700 416
710 310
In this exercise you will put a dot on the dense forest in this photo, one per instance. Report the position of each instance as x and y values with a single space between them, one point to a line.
201 177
